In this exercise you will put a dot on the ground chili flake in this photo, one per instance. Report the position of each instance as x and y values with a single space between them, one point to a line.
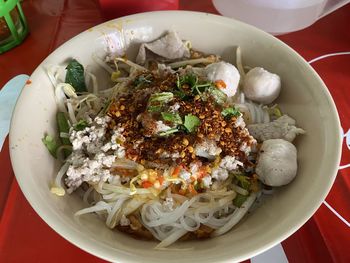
130 112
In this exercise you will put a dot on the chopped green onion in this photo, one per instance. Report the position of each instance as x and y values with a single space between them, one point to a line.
172 117
189 79
63 127
275 111
168 132
181 94
239 200
157 100
243 181
219 96
191 122
230 112
50 144
81 125
162 97
154 108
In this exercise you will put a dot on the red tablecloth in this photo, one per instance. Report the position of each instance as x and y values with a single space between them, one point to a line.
24 237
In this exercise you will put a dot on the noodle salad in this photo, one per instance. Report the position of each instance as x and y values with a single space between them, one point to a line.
181 145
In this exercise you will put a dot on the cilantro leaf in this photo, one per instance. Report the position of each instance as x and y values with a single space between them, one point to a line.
189 79
230 112
193 82
191 122
172 117
75 76
168 132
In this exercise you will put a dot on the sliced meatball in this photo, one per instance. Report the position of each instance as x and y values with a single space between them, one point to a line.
168 47
282 128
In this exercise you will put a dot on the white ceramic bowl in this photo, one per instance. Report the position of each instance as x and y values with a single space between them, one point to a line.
304 96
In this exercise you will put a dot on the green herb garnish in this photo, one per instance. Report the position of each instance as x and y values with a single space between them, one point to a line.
157 100
239 200
275 111
192 81
75 76
243 181
230 112
163 97
154 108
189 79
172 117
191 122
50 144
181 94
142 80
81 125
219 96
168 132
63 126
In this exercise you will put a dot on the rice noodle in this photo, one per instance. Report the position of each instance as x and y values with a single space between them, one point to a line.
64 134
100 206
112 217
236 216
171 238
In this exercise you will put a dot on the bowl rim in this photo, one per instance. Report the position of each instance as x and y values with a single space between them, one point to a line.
77 238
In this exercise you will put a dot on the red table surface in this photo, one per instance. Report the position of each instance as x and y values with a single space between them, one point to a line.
24 237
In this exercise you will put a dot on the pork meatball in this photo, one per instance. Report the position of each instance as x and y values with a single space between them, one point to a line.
226 72
261 86
277 162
